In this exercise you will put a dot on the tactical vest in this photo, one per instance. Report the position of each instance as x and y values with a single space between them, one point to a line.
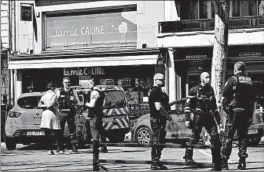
97 110
242 91
66 101
205 99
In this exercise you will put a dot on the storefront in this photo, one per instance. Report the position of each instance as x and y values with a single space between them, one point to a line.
190 62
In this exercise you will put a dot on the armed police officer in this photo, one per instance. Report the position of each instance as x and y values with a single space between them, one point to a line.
95 113
238 99
201 102
67 102
159 106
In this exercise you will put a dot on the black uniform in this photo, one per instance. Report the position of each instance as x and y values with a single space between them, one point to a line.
96 114
238 104
67 107
201 101
158 122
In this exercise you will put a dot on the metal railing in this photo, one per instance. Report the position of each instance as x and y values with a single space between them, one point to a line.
208 24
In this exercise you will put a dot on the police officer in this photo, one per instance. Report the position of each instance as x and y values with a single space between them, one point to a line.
67 102
238 99
95 113
159 106
201 101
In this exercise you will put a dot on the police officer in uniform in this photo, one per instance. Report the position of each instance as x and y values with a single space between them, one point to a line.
159 106
67 102
238 99
95 113
201 101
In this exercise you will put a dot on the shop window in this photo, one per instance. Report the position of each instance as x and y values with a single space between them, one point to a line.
189 9
203 6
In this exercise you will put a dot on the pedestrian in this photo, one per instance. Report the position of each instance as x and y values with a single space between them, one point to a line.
159 106
238 103
67 107
201 102
95 113
50 117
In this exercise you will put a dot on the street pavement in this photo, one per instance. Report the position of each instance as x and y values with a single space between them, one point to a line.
35 158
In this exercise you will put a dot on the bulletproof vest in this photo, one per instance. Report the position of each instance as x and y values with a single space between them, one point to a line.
66 100
242 90
205 98
97 109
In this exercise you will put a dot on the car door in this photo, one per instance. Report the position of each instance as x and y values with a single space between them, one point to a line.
176 128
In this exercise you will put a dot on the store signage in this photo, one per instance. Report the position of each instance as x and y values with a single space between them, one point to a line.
196 56
91 30
244 54
83 71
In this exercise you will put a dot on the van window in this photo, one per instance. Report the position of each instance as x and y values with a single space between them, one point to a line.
114 99
28 102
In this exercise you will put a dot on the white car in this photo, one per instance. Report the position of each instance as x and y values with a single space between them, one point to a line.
23 121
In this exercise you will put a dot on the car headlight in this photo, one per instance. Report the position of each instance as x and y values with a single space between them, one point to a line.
14 114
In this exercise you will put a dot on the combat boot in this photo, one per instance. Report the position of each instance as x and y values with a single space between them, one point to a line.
225 164
242 164
188 157
162 167
103 149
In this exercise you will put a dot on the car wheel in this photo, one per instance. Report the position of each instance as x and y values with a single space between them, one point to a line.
118 138
144 136
254 141
10 143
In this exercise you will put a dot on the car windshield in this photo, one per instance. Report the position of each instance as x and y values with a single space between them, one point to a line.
28 102
114 98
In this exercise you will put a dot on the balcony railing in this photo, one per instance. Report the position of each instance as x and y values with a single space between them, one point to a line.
208 24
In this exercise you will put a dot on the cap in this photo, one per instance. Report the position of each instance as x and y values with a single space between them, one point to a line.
240 66
158 76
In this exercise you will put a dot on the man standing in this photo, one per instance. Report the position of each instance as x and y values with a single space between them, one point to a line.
159 106
201 101
67 102
238 100
95 113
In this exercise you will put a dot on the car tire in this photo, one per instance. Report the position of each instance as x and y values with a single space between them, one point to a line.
117 138
254 141
144 135
10 143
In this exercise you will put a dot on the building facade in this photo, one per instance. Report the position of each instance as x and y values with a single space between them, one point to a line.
5 36
187 42
114 42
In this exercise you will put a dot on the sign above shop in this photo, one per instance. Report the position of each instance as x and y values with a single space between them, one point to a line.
88 30
196 56
244 54
95 71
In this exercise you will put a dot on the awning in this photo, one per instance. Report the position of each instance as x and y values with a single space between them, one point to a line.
84 62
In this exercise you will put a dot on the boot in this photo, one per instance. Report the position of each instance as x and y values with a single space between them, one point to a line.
74 147
225 164
154 164
103 149
162 167
242 164
188 157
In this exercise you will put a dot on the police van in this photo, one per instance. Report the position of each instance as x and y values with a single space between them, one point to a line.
116 114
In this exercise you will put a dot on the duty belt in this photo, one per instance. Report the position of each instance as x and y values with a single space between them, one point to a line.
65 110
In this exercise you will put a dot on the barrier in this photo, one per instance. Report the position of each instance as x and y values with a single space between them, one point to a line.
150 145
117 161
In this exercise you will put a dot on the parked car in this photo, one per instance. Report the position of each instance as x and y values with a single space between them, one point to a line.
116 115
22 123
177 131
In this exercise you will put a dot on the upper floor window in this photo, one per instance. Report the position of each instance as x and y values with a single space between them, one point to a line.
244 7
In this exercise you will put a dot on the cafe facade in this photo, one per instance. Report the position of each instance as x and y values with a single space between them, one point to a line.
112 42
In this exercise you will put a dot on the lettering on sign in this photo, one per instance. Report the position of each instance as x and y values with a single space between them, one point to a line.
196 56
243 54
83 71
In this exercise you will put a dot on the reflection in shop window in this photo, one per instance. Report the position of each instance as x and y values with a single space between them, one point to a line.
245 7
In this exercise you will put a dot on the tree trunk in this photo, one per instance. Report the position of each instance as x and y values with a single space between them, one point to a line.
218 70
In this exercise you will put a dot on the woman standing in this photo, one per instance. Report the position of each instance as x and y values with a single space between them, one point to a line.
50 122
